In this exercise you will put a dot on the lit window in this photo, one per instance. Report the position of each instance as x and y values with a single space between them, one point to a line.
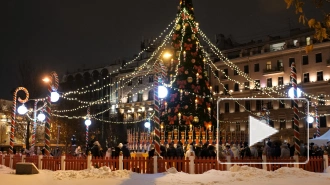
308 41
269 65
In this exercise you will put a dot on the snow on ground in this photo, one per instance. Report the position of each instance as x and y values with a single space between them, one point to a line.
238 175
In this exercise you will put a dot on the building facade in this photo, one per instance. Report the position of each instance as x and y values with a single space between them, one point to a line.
269 65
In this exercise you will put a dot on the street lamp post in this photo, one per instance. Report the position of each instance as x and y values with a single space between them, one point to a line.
160 73
295 108
53 96
40 117
13 116
88 122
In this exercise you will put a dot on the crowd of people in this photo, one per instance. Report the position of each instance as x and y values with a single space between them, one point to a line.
270 149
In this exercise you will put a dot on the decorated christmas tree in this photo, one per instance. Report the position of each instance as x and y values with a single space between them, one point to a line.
188 105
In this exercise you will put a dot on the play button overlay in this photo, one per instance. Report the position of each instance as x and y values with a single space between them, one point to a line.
254 129
259 130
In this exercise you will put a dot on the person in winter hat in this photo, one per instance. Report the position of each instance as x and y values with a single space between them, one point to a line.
190 152
285 151
108 153
235 151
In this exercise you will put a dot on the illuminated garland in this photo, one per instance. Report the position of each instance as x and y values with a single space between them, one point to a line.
128 63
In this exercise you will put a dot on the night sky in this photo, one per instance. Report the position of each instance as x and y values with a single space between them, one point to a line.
67 35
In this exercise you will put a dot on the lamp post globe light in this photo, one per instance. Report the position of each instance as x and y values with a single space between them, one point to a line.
88 122
291 92
22 110
162 91
41 117
147 125
310 119
54 96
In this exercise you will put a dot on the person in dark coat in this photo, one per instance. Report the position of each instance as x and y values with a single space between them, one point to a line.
205 151
151 152
277 150
171 151
163 151
125 150
179 151
211 150
96 149
292 149
198 150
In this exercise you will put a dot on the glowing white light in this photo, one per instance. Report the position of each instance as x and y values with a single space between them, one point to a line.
88 122
22 109
41 117
147 124
54 96
310 119
162 91
291 95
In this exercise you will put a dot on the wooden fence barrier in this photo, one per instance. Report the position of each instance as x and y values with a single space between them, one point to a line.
138 164
75 163
277 163
16 159
32 159
112 163
253 162
7 160
315 164
205 164
51 163
159 165
181 164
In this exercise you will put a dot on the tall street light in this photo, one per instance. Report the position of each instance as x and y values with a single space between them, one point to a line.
53 96
296 95
88 122
40 117
21 109
160 74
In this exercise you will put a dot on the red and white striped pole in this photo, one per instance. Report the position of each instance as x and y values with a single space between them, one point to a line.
295 108
317 122
156 108
51 88
87 125
13 116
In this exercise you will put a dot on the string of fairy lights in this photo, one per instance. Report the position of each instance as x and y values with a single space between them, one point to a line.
227 62
134 74
138 70
102 100
126 64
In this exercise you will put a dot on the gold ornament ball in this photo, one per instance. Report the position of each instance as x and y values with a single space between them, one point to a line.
193 61
196 119
186 107
177 27
190 79
186 72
